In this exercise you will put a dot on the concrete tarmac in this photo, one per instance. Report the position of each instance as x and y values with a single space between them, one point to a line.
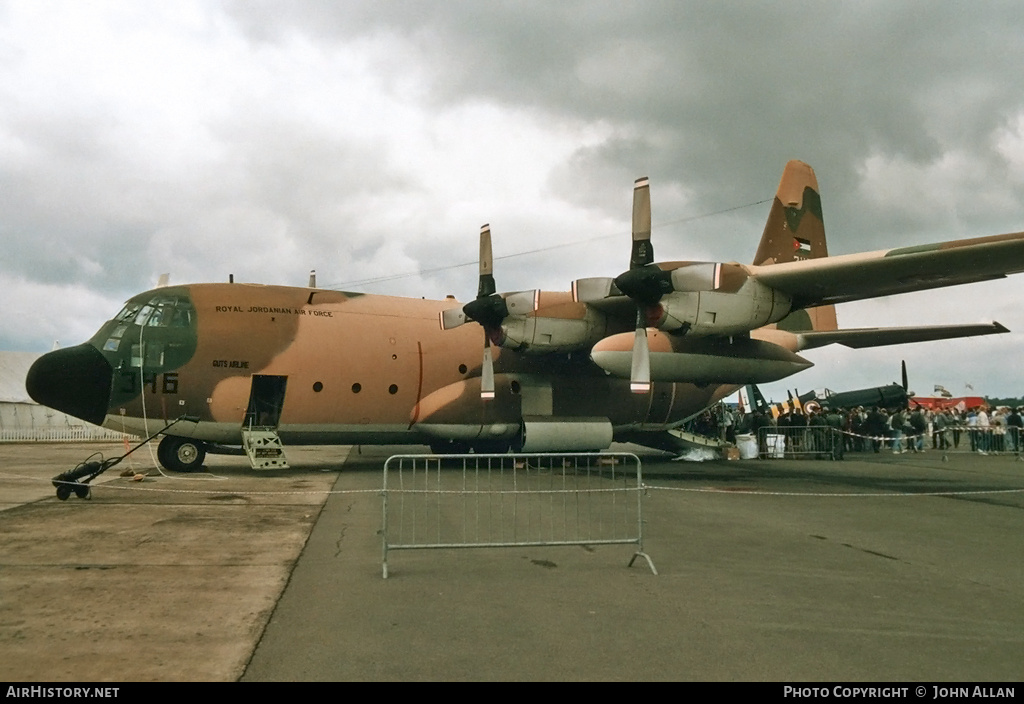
880 567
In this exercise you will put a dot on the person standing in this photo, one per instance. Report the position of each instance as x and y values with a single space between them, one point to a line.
971 421
983 431
998 436
1014 423
941 421
896 423
875 427
835 439
957 423
919 424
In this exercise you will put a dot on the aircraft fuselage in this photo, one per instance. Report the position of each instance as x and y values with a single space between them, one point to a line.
331 367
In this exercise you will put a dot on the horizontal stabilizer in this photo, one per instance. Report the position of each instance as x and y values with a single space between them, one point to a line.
879 337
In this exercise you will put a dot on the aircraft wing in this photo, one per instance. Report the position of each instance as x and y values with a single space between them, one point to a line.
876 337
853 277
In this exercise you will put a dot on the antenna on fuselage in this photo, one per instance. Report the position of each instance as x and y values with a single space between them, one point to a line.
312 278
162 280
231 278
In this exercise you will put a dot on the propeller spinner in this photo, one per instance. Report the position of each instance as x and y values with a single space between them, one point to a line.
489 309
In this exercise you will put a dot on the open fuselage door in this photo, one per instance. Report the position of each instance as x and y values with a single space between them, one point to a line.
262 417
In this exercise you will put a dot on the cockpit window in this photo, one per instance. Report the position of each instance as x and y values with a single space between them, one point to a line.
159 312
162 314
128 312
143 317
182 315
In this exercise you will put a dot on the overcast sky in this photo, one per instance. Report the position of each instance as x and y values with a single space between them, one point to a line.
372 139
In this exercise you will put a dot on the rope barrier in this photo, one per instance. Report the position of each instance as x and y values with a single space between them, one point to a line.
114 484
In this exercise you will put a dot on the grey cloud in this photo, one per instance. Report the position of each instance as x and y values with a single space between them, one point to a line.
714 96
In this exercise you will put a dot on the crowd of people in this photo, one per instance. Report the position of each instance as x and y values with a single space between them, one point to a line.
834 432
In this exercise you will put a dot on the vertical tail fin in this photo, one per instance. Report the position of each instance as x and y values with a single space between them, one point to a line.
796 230
755 399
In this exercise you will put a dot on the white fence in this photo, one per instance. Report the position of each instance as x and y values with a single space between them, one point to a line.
477 501
70 434
29 422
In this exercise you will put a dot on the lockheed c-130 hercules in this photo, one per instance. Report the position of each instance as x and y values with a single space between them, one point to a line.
626 358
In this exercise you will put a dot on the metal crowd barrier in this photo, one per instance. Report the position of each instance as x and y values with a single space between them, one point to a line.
989 440
823 442
810 442
481 501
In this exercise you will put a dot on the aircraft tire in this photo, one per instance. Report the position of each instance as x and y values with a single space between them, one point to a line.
181 454
449 447
491 447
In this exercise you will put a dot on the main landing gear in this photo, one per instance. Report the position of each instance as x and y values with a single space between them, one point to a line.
77 480
181 454
480 447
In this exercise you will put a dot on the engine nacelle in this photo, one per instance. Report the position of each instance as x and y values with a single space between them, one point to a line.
708 360
702 313
541 335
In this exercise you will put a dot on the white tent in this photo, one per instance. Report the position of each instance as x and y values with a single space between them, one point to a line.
22 419
13 370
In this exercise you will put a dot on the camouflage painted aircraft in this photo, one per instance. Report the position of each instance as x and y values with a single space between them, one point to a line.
627 358
889 396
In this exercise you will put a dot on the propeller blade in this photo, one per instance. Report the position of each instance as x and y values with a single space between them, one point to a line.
644 282
643 252
640 373
452 318
487 285
594 289
487 371
522 302
699 276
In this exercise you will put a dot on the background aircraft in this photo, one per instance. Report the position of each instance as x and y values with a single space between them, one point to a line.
889 396
624 358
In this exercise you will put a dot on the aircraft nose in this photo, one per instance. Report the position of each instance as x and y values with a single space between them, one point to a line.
75 381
